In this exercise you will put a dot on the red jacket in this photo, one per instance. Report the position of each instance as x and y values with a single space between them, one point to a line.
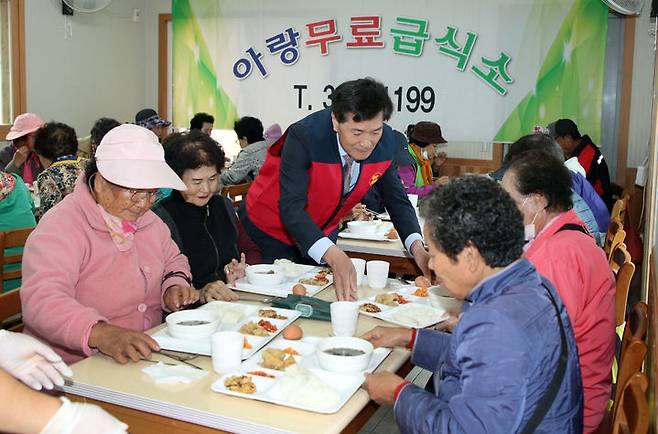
297 196
579 270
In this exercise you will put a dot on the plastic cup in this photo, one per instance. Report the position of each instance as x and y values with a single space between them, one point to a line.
377 274
344 316
360 266
226 351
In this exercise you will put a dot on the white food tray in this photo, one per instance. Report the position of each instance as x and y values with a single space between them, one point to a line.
269 390
417 313
227 310
285 288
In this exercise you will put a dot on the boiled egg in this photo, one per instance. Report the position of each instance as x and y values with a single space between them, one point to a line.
293 332
299 289
422 282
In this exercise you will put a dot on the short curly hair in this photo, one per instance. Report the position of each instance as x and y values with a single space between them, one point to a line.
539 172
54 140
473 210
191 150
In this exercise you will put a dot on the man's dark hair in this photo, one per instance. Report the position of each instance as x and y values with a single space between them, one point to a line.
101 127
539 172
55 139
364 97
196 123
473 210
249 127
566 127
191 150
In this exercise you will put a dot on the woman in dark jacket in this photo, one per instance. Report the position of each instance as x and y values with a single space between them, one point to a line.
202 223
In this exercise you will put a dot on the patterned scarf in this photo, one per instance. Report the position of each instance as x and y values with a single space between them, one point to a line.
423 166
7 184
121 231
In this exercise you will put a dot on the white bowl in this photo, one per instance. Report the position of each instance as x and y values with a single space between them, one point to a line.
182 331
344 364
259 274
441 298
363 227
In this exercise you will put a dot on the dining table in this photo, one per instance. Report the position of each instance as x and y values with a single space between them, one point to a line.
149 407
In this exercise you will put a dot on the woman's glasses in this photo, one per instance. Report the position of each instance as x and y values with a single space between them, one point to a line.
137 195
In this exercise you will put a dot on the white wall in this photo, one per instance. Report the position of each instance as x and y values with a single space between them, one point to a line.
108 66
643 64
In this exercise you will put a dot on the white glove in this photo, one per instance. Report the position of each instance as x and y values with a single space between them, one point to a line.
30 361
77 418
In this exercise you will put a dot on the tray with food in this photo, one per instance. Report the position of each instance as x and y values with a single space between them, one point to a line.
409 306
314 374
284 277
190 330
373 230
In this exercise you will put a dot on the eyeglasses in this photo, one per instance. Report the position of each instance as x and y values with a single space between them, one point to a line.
136 195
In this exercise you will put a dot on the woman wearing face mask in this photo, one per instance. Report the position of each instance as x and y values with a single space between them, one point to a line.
203 224
417 178
560 248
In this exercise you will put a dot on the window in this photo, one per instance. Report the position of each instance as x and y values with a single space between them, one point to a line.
12 62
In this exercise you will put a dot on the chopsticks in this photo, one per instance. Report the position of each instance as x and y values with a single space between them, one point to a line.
180 359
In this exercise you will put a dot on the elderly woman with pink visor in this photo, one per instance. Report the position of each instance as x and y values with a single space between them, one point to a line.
100 268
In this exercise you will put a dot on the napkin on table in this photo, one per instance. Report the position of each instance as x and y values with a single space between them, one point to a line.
168 374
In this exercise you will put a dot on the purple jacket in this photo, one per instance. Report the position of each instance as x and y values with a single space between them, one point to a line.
585 190
408 176
497 364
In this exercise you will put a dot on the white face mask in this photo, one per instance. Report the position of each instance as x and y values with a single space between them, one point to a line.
424 154
529 230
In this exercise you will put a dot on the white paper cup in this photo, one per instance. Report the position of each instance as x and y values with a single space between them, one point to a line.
377 274
226 351
344 316
360 266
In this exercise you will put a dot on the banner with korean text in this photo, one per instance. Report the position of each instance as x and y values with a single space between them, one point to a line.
485 70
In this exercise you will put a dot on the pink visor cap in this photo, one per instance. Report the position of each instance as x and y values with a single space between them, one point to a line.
24 124
131 156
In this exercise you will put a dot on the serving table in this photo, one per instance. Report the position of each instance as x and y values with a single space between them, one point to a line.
147 407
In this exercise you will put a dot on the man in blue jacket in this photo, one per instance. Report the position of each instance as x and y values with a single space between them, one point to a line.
320 168
511 363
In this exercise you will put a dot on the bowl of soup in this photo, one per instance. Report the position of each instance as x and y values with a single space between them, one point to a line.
344 354
192 324
264 274
363 227
441 298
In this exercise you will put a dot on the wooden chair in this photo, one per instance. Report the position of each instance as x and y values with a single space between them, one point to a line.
615 235
10 311
10 239
636 325
623 285
632 414
619 257
633 348
236 192
619 208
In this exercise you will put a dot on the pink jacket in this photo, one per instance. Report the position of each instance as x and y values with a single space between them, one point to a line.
74 276
582 275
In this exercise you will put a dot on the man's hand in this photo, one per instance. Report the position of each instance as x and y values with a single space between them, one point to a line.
217 290
344 273
121 344
422 258
442 181
388 337
177 296
381 387
235 270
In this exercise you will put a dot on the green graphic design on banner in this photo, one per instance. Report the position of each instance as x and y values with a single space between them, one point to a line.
487 75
